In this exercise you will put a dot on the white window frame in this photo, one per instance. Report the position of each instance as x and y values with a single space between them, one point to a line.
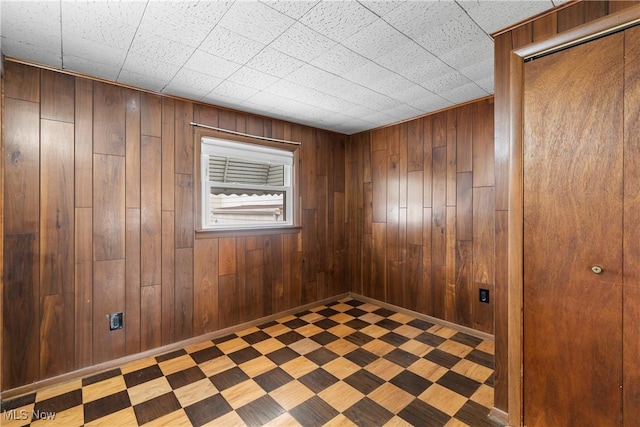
250 152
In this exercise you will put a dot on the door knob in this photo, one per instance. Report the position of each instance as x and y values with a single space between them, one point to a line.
596 269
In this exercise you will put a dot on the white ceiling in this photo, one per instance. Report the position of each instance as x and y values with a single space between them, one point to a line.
347 66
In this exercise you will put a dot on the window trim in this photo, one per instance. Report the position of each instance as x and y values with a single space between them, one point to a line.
199 196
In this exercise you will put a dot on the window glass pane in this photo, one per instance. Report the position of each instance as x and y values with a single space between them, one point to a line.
239 171
229 207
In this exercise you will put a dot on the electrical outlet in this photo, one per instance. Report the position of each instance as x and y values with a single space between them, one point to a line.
115 321
484 295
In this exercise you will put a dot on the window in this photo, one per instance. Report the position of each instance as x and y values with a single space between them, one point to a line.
245 185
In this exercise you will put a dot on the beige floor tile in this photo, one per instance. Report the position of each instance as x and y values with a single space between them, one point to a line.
309 330
235 344
312 317
138 364
284 420
341 347
341 368
177 364
217 365
69 418
248 331
453 422
123 418
384 369
48 393
195 392
455 348
442 331
341 318
427 369
199 346
291 394
391 397
374 331
486 346
341 396
276 330
174 419
149 390
396 421
401 318
472 370
379 348
368 307
408 331
304 346
483 396
371 317
243 393
299 366
341 330
444 399
286 318
340 421
268 346
416 347
230 419
257 366
103 388
342 307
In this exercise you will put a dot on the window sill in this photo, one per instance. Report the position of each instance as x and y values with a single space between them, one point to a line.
243 232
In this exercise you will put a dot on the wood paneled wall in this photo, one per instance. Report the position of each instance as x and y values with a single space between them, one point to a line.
420 214
99 218
541 28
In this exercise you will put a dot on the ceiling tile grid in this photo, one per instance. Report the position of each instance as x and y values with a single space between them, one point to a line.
346 66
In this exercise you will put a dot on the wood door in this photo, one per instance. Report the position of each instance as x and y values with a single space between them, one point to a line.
573 200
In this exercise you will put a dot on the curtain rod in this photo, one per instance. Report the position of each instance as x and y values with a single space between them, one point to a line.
264 138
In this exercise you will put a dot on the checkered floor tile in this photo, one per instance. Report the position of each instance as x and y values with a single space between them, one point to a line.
342 364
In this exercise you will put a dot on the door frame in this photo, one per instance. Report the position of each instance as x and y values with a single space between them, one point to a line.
515 259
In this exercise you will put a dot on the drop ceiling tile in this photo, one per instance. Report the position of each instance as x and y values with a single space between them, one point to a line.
375 40
338 19
339 60
413 62
234 90
287 89
301 42
17 49
379 117
393 86
144 81
487 84
451 35
470 53
368 73
446 82
31 23
359 111
110 23
403 112
231 46
464 93
256 21
170 19
274 63
412 18
224 101
206 63
188 92
90 50
478 70
310 76
253 78
195 79
491 16
91 68
295 9
382 7
151 67
414 93
347 90
265 101
161 49
433 103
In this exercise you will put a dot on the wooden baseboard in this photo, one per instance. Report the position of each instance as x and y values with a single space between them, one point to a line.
498 416
111 364
422 316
